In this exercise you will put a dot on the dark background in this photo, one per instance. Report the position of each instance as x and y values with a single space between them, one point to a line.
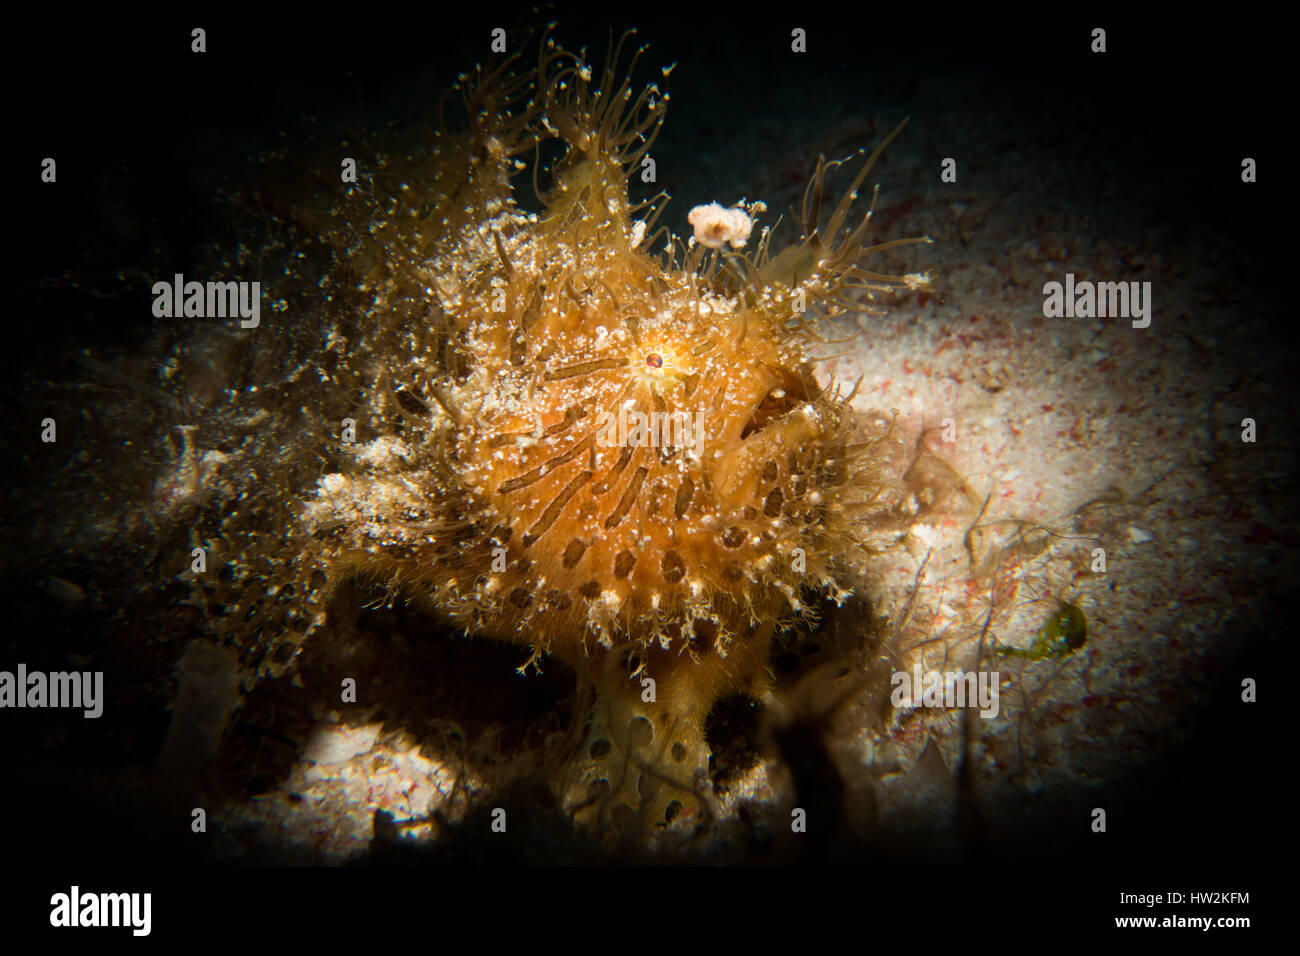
139 124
